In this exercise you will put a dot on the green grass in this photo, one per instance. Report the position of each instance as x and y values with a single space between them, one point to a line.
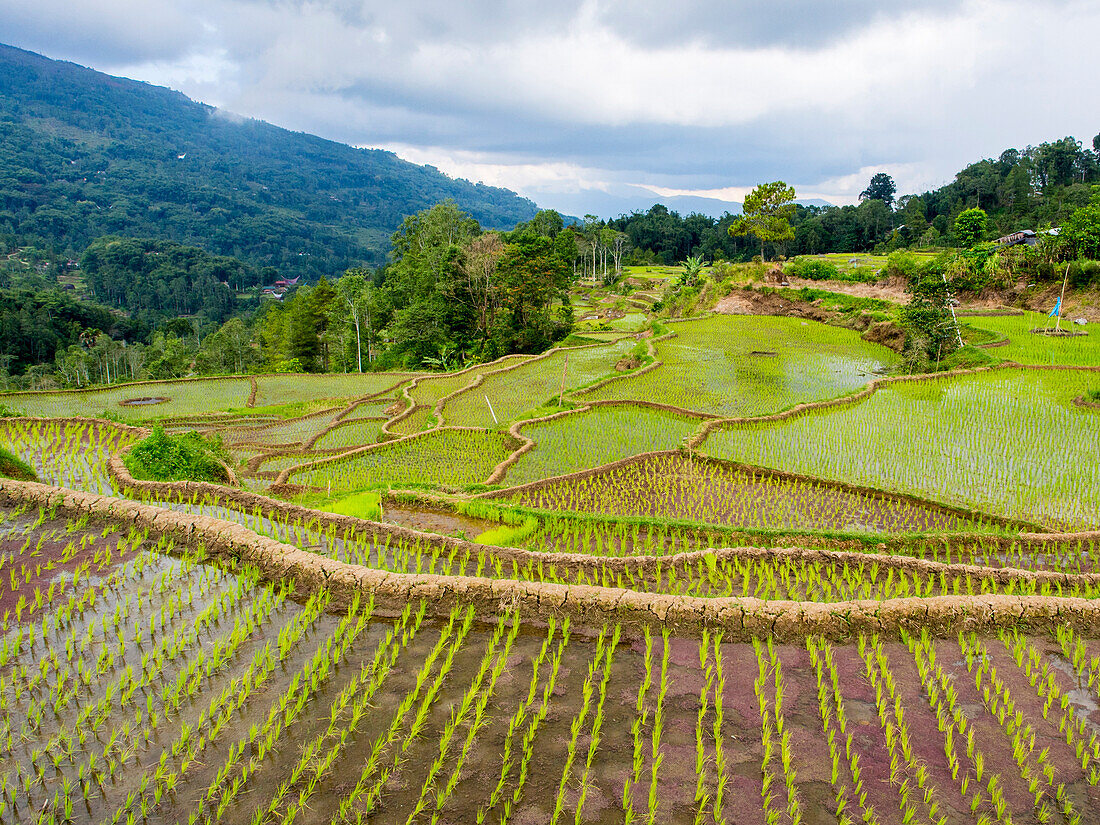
709 366
367 505
1008 442
1027 348
515 392
12 466
596 437
445 458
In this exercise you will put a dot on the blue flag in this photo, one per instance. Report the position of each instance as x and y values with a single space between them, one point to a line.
1057 311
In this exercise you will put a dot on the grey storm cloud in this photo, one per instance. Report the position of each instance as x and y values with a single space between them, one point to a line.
698 94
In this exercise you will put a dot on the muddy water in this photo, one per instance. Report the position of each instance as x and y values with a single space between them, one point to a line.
437 521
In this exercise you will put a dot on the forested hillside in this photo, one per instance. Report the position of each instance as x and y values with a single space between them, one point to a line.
83 155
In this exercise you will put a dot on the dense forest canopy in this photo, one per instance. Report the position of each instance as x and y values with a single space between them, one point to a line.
83 155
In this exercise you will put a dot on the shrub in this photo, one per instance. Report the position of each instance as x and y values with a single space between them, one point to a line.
12 466
186 457
812 270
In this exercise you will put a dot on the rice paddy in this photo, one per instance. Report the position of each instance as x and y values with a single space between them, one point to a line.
751 365
595 437
1025 347
448 458
1008 442
145 680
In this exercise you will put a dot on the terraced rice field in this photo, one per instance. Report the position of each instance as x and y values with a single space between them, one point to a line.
1024 347
155 680
751 365
1008 442
448 457
152 684
273 390
190 397
674 486
598 436
515 392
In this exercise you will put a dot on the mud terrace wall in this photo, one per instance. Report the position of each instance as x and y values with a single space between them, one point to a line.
739 618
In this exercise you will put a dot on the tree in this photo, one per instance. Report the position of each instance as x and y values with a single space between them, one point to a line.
354 292
969 228
767 214
927 317
1082 230
881 188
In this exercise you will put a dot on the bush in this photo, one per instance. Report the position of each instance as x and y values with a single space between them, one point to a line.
812 270
186 457
1093 396
12 466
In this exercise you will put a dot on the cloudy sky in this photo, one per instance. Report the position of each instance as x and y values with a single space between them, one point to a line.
583 105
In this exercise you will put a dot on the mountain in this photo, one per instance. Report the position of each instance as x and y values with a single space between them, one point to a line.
84 154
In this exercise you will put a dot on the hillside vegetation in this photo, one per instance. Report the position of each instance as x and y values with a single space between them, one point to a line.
83 154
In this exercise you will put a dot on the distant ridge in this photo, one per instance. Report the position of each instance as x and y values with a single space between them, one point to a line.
84 154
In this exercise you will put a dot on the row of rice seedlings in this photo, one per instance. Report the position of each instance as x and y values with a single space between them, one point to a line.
523 714
645 706
605 652
1035 770
475 700
593 438
677 487
67 454
446 458
710 790
1076 729
831 706
318 756
941 691
905 768
365 795
715 365
992 441
235 771
196 735
129 735
770 701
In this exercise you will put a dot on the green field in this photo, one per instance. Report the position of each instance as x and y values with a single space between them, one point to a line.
447 458
599 436
752 365
1025 347
1007 442
515 392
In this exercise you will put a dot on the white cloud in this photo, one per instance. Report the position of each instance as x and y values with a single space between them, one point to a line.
590 95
